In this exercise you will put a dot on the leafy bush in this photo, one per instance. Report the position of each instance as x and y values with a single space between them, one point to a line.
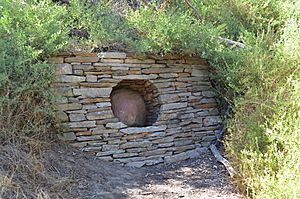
28 33
263 84
96 25
171 30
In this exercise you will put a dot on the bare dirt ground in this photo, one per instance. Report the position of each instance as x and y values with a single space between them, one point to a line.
95 179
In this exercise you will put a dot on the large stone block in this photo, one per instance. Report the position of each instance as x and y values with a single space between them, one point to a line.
168 139
82 124
128 145
112 55
110 147
168 75
139 61
134 136
173 106
81 59
212 120
92 149
93 92
91 78
105 158
100 115
88 138
148 129
154 152
77 117
63 69
103 104
116 125
61 116
154 161
162 70
143 77
176 158
125 155
96 84
70 78
105 153
120 61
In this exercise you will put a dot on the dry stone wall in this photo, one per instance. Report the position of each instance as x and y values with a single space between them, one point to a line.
183 116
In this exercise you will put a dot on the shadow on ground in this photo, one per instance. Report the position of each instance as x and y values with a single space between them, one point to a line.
96 179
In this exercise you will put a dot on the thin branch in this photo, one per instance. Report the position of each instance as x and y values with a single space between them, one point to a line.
220 158
231 43
196 12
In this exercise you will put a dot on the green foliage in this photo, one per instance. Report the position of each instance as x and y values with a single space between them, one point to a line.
171 30
99 24
28 32
263 83
240 16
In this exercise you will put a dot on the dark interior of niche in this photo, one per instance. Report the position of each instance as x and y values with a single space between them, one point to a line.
149 93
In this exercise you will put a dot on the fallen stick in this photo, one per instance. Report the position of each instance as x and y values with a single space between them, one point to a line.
231 43
222 160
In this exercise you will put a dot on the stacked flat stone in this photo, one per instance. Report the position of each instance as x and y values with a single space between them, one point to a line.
184 117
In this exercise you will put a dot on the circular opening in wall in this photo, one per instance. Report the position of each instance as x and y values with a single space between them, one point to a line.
135 102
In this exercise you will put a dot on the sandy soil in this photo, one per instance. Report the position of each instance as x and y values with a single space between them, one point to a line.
95 179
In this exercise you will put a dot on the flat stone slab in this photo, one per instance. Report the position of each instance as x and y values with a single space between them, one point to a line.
143 77
63 69
93 92
117 125
100 115
112 55
134 144
70 78
148 129
82 124
174 106
81 59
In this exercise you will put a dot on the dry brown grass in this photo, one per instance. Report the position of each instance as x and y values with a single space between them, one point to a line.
25 171
23 174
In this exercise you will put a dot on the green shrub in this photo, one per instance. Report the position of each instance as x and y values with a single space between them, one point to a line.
171 30
98 24
28 33
263 140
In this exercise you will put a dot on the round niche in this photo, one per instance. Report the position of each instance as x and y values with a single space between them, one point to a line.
135 102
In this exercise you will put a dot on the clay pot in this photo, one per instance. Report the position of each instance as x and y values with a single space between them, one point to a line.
129 107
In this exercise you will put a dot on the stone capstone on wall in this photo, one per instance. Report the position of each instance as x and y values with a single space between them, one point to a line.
182 112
